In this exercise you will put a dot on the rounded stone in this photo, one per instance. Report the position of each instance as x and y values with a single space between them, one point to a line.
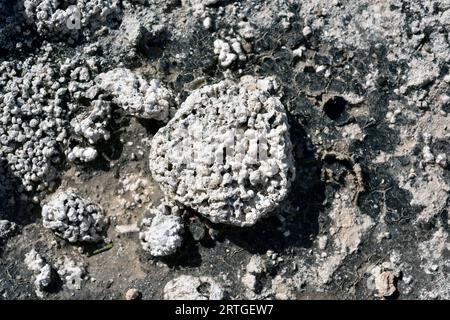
227 152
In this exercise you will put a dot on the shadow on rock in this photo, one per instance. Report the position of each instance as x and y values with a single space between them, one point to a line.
16 205
188 256
297 222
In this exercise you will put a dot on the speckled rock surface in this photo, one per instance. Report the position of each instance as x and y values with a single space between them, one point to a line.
362 93
161 235
135 95
74 218
227 152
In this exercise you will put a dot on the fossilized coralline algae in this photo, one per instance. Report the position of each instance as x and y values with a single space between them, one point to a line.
162 234
74 218
227 152
135 95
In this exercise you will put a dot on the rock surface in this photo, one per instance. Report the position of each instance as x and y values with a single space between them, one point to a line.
74 218
227 152
364 85
139 98
193 288
161 235
42 271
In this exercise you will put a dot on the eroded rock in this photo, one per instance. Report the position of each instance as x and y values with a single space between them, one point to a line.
41 270
74 218
227 152
139 98
162 235
193 288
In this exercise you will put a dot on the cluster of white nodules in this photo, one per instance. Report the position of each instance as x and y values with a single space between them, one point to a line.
139 98
162 235
83 154
228 52
41 270
62 18
193 288
234 47
227 152
7 228
74 218
428 156
92 125
31 121
72 273
38 98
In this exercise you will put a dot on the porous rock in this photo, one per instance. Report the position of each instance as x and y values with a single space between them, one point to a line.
41 270
57 19
93 125
283 288
227 152
7 228
162 234
74 218
73 273
139 98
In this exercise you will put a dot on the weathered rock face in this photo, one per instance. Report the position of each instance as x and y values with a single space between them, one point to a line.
7 228
60 18
227 152
41 270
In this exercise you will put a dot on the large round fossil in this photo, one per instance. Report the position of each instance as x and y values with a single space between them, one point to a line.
227 152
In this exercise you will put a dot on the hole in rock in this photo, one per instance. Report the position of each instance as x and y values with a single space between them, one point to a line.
334 107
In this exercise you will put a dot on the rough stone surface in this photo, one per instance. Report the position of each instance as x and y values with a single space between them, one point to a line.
7 229
364 85
227 152
42 271
135 95
193 288
132 294
73 273
283 288
161 235
52 18
74 218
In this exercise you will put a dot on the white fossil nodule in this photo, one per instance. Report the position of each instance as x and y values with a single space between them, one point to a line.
227 152
74 218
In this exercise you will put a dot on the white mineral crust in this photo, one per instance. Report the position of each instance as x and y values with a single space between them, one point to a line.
193 288
42 271
74 218
135 95
227 152
162 234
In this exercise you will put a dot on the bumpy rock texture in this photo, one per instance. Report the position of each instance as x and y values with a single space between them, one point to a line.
365 87
135 95
162 234
7 229
193 288
42 271
73 273
227 152
74 218
68 18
